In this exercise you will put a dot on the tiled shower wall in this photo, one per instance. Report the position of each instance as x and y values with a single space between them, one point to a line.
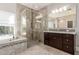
39 28
31 32
44 21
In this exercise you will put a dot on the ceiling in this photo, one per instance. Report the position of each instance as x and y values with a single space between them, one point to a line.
35 6
11 7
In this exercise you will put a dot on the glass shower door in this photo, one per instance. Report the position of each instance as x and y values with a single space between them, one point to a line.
23 23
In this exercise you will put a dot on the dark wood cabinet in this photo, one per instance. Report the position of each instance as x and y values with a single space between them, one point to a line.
60 41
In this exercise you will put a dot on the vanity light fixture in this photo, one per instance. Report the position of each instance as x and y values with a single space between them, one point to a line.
60 9
55 11
65 8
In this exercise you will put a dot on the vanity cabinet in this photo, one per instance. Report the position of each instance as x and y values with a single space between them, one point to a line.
60 41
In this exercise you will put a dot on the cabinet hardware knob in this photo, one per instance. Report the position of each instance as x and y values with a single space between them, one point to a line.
54 38
67 47
67 40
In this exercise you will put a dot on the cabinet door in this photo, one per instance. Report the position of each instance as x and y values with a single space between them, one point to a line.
59 41
46 39
53 39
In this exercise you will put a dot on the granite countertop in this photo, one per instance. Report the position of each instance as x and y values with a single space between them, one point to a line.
65 32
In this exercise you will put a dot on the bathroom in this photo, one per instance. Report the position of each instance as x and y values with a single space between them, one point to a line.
33 26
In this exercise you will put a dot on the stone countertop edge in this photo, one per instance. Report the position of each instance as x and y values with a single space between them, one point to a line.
61 32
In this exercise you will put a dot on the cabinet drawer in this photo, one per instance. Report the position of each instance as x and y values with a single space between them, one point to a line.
68 41
68 36
68 48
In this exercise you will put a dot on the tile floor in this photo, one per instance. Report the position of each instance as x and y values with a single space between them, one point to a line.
41 49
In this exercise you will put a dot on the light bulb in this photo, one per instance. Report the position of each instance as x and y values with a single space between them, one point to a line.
53 11
60 9
65 8
56 10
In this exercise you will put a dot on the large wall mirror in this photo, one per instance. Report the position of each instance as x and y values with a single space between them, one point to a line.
62 17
